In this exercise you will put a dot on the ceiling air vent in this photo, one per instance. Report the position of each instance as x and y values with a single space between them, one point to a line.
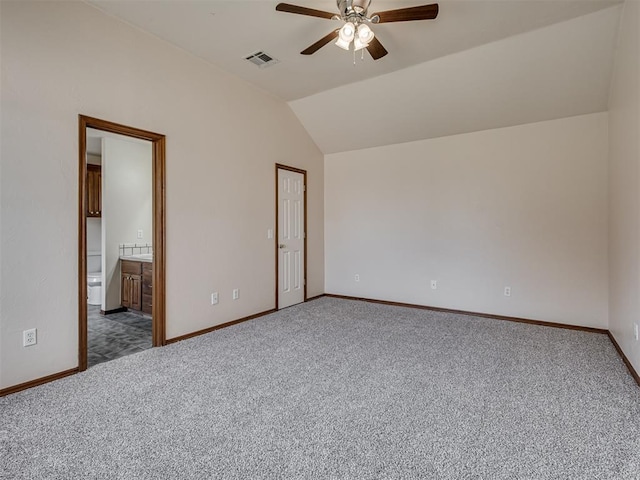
262 59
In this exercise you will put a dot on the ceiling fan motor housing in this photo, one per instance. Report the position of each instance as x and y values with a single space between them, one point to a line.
353 10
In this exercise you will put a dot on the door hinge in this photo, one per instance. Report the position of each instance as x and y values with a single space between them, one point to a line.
304 235
304 188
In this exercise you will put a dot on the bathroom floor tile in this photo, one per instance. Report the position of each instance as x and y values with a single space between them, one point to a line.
116 335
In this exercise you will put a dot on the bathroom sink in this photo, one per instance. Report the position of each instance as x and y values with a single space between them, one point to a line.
141 257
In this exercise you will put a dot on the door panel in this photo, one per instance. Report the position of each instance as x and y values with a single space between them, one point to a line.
291 275
125 291
286 272
136 292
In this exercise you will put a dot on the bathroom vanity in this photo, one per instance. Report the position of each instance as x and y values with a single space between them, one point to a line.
136 275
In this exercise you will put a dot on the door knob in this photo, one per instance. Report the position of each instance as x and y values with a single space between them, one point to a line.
282 245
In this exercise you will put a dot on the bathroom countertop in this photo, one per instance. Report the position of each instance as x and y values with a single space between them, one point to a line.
143 257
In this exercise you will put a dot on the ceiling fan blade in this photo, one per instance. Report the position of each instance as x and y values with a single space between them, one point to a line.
376 49
286 7
320 43
423 12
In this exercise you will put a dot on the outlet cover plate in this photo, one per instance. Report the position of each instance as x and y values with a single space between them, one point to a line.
29 337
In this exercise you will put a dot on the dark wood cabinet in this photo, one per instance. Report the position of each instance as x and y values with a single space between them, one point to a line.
131 284
131 297
94 190
136 285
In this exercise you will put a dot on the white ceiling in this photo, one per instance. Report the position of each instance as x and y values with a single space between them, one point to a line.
481 64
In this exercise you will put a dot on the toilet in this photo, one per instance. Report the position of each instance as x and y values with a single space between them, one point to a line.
94 288
94 278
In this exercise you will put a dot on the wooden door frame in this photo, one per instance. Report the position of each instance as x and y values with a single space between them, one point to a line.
159 336
277 229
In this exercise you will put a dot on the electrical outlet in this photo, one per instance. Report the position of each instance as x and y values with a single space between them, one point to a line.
356 277
236 293
270 233
214 298
635 331
507 291
29 337
434 284
140 234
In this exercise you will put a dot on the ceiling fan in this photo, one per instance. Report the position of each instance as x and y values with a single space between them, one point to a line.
354 14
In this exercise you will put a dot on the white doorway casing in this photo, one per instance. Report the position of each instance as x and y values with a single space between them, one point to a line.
291 237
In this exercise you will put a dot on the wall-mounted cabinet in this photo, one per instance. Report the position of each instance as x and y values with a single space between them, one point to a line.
94 190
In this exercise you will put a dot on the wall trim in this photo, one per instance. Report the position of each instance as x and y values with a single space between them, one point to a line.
632 371
474 314
37 381
232 322
112 311
218 327
626 361
315 297
66 373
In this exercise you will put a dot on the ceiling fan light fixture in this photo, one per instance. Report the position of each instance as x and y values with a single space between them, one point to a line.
365 34
347 32
346 35
342 44
359 44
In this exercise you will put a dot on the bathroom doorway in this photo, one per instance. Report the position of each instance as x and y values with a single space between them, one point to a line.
121 248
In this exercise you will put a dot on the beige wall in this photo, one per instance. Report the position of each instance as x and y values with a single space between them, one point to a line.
523 206
61 59
127 206
624 185
94 238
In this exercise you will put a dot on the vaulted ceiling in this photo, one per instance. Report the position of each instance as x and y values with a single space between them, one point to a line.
481 64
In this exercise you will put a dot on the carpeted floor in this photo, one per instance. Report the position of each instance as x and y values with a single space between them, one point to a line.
339 389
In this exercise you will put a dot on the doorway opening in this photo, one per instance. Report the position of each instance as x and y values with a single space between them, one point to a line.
115 286
291 244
